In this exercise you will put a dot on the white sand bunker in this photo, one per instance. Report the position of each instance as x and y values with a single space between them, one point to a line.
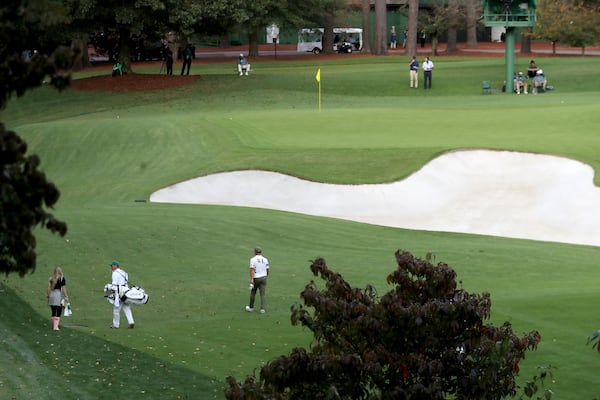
496 193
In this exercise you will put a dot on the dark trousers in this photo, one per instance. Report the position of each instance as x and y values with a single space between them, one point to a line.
261 285
170 67
187 63
427 80
56 310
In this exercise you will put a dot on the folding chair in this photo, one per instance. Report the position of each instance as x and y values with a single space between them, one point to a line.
486 87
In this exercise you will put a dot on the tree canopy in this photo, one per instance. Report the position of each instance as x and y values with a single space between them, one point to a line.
424 339
27 57
125 19
570 22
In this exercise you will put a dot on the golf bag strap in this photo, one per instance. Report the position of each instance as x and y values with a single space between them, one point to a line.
124 274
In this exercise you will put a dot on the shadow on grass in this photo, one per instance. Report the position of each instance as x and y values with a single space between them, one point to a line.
71 364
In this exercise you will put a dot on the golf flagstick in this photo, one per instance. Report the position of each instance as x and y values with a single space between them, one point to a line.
318 78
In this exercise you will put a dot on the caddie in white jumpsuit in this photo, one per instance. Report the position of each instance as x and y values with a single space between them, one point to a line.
120 279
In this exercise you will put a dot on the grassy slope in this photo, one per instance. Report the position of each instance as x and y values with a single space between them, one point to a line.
105 150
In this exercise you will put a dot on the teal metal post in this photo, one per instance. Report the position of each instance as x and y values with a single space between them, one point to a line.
509 14
509 59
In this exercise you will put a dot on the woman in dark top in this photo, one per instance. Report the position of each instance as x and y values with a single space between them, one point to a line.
57 291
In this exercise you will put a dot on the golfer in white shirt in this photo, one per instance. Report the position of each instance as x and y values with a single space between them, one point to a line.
259 270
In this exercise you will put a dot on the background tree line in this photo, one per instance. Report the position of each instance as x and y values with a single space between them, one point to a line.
568 22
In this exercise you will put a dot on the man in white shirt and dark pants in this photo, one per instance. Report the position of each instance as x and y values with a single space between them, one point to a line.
259 270
427 68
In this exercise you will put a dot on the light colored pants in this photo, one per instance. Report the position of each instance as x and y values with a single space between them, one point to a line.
117 314
537 85
521 85
414 78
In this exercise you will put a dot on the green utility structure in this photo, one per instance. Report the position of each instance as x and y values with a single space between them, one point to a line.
509 14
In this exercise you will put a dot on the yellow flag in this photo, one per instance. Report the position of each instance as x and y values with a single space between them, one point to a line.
318 77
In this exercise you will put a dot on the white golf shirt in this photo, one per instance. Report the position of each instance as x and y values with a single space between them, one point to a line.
260 265
427 65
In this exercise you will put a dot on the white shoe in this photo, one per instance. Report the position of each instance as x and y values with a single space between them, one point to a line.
262 310
246 74
249 309
241 74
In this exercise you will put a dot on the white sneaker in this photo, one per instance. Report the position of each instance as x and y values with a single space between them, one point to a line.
249 309
262 310
241 73
246 74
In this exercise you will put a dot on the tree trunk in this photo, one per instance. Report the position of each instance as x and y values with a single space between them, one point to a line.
380 43
82 45
526 40
452 35
434 45
253 43
366 25
124 49
413 16
472 16
328 35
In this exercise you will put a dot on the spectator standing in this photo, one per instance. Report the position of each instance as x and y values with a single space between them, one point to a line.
56 294
414 72
169 60
427 69
259 270
187 59
393 38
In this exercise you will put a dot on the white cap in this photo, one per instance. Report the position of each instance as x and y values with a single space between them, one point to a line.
241 55
539 71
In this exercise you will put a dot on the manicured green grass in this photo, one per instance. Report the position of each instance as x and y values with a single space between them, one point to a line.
106 150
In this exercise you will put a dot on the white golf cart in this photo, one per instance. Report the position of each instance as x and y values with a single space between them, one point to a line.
346 40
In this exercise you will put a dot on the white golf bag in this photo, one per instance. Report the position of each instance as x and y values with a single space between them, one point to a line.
135 295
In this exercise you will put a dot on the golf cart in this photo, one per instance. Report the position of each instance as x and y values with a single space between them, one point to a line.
343 47
311 40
